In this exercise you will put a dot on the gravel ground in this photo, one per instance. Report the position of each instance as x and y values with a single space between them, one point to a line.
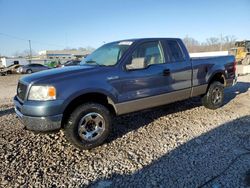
178 145
8 88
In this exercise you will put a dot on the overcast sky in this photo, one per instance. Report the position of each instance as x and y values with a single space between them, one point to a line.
57 24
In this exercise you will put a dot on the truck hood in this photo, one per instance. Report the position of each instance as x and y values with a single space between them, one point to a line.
57 73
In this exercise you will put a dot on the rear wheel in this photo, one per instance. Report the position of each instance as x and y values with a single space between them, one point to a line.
88 126
29 71
214 97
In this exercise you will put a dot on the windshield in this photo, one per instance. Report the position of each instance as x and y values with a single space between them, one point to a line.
108 54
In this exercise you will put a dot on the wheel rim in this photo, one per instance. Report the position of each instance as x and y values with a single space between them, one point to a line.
216 96
91 126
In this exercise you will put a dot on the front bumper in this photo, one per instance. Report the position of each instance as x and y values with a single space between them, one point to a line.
38 123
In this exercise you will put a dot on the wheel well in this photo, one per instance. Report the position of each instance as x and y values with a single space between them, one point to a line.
90 97
218 77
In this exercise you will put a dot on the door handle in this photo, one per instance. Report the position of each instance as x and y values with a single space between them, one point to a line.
166 72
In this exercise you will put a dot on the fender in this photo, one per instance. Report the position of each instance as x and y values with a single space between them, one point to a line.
213 71
112 99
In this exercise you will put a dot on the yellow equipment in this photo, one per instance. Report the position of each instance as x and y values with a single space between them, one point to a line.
241 51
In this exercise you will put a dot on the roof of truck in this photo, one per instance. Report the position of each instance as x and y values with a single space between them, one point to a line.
140 39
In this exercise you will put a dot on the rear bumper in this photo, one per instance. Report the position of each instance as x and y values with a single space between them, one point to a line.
231 81
37 123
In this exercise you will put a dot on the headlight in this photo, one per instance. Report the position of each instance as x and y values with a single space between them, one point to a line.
42 93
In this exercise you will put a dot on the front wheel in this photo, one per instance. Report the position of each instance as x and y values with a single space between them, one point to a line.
214 97
88 125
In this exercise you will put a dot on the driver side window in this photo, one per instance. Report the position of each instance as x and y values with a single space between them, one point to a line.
146 54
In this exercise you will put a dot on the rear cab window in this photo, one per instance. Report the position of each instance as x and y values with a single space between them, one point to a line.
174 51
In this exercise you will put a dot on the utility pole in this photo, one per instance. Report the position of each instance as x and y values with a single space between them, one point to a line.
30 51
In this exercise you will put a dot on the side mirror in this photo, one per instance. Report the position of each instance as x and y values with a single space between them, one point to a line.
136 63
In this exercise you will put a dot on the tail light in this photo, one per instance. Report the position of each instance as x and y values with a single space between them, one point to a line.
234 66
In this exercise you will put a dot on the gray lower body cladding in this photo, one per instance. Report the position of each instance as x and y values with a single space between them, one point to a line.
154 101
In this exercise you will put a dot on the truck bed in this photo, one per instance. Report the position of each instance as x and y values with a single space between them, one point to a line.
203 66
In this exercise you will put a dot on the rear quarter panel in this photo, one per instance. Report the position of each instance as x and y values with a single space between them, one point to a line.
204 68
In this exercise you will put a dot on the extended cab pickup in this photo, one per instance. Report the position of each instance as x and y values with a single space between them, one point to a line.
119 78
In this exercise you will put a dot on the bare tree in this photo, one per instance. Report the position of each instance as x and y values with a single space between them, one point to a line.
229 42
25 53
191 44
88 49
212 44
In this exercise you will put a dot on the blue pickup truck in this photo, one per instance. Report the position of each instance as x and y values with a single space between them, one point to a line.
118 78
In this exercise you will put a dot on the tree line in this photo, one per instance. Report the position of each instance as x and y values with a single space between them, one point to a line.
222 43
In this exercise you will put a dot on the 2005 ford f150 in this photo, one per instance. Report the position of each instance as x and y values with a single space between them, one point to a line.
119 78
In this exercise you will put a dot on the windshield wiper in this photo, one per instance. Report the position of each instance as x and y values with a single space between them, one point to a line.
91 62
94 63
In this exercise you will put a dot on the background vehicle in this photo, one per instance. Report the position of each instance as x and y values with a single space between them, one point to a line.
30 68
70 63
10 69
242 52
119 78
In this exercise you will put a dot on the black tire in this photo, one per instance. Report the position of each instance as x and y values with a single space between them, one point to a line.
4 74
214 97
77 120
29 71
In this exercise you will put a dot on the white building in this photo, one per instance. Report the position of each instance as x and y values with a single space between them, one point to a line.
7 61
62 55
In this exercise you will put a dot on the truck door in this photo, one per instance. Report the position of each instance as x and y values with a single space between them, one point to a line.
147 80
179 66
162 75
